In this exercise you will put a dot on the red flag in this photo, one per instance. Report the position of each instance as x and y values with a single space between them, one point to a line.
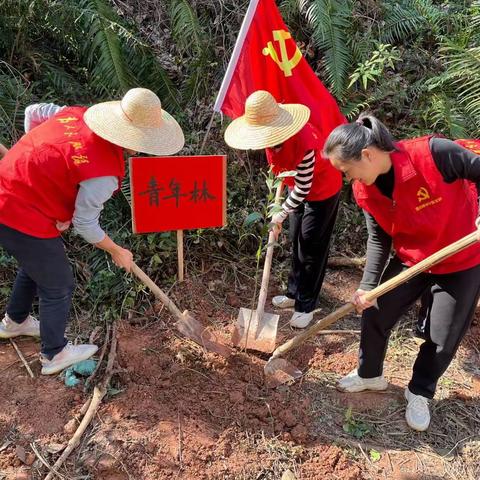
267 58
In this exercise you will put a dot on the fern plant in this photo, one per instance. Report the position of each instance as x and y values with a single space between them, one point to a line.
331 22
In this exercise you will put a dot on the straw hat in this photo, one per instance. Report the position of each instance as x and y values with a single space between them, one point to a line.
137 122
265 123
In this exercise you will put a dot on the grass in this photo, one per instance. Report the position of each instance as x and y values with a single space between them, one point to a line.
449 449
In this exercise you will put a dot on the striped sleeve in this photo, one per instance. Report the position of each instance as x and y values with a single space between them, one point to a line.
303 183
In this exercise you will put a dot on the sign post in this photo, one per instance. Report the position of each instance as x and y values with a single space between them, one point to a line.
178 193
180 255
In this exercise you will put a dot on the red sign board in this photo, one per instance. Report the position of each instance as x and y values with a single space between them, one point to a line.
178 193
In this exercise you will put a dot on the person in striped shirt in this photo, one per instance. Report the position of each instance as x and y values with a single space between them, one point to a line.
293 144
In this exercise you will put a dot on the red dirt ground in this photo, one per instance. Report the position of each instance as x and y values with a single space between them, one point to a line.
176 411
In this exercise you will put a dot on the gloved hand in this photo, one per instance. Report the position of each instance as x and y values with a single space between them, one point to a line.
276 222
279 217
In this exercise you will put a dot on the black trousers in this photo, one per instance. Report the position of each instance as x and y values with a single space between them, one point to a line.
454 298
311 227
44 271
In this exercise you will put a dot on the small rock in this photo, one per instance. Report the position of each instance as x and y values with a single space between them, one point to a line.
300 434
288 418
105 463
232 299
70 426
20 452
30 458
89 460
55 447
23 475
150 448
236 397
288 475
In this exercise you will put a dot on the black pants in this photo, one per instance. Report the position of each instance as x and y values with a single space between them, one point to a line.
311 227
454 298
44 271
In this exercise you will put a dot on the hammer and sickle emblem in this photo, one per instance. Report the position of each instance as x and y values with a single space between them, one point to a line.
422 194
285 64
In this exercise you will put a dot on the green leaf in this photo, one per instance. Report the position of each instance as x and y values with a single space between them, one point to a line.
252 218
374 455
290 173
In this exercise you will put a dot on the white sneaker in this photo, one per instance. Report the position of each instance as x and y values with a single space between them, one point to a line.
30 327
354 383
282 301
417 413
70 355
301 319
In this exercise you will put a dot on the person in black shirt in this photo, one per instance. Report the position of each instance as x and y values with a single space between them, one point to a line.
390 174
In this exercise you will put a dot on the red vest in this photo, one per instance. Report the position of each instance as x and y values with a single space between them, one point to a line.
425 213
327 181
39 176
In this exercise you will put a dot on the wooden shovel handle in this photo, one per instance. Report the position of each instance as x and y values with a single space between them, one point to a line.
394 282
157 291
268 262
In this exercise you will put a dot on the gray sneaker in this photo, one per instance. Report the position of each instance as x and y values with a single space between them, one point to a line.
354 383
301 319
417 413
30 327
70 355
282 301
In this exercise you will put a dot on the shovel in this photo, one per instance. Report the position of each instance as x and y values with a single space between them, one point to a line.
256 329
185 324
278 370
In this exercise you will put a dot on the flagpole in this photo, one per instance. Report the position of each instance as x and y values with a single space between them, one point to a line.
235 55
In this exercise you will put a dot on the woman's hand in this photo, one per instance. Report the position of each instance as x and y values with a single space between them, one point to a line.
62 226
358 299
477 224
121 257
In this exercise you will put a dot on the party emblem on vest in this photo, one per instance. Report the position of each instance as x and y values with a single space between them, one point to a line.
424 200
285 64
422 195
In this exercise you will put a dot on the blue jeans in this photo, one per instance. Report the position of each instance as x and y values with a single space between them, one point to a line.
44 271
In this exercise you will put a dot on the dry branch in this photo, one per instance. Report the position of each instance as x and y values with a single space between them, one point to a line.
22 358
346 262
99 392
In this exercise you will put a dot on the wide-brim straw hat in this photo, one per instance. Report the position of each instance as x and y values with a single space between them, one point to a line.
137 122
265 122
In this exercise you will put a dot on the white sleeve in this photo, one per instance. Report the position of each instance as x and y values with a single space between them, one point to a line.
91 196
39 112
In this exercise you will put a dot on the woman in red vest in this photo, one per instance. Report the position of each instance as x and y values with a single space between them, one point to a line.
418 196
291 143
61 172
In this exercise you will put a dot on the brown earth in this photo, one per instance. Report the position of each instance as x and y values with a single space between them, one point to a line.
176 411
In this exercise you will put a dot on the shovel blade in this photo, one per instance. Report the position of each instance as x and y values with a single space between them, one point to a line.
194 330
278 371
252 333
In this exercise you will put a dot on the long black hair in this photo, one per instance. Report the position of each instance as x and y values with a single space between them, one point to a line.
348 141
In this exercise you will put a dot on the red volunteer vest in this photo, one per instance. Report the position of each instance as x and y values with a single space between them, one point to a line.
39 176
327 181
425 213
